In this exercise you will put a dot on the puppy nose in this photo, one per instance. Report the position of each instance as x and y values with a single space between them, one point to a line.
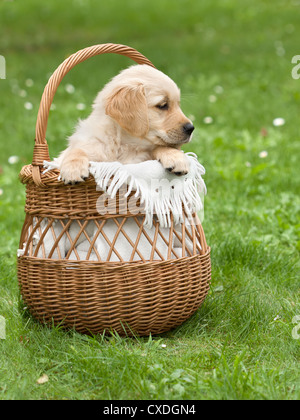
188 128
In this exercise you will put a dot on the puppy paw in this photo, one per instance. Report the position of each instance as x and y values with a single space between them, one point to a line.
75 170
176 164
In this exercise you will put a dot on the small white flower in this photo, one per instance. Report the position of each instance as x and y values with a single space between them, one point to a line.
212 98
280 51
15 88
22 93
1 191
29 82
219 89
263 154
69 88
80 106
277 122
207 120
13 159
43 379
277 317
28 106
248 164
164 345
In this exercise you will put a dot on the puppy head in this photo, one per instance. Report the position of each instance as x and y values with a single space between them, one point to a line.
127 105
146 103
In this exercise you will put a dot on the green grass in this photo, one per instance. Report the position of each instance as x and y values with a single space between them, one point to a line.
232 61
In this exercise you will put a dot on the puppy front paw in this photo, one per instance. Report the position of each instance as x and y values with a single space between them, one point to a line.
176 163
75 170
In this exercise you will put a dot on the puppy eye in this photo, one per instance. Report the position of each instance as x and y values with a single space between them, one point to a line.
164 106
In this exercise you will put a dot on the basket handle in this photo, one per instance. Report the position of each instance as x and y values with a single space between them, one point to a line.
41 151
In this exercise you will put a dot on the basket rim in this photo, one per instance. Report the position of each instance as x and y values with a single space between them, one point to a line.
48 179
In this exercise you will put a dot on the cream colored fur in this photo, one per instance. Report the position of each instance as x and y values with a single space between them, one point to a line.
136 117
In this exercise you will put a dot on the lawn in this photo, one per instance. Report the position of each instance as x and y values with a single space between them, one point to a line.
233 63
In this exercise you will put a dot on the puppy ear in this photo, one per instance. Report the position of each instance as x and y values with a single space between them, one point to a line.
128 107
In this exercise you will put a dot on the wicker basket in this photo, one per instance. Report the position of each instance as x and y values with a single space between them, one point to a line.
140 296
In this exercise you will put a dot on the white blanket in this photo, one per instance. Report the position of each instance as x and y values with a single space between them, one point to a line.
161 194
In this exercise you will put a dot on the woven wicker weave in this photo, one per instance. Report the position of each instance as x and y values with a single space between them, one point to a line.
144 294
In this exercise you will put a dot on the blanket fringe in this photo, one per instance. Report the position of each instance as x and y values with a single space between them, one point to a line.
160 193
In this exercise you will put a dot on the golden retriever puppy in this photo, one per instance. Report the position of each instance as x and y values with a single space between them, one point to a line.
136 117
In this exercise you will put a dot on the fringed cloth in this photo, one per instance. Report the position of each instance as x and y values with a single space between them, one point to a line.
161 193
